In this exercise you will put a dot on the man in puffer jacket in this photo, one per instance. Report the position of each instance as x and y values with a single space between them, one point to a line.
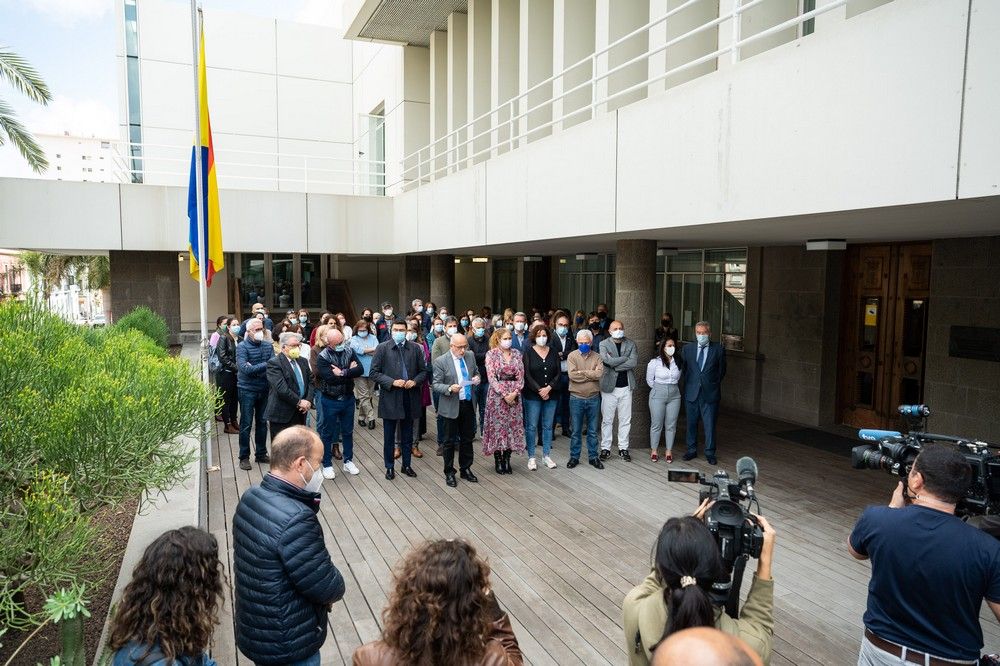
285 580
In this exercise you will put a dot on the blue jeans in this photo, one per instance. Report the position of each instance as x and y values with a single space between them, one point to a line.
309 661
252 404
707 412
562 410
533 410
338 419
479 395
579 409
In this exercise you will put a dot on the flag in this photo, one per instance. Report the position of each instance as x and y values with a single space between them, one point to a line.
212 221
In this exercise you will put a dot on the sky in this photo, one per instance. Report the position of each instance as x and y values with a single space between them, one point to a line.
71 43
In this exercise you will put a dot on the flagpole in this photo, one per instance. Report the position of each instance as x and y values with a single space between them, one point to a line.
206 435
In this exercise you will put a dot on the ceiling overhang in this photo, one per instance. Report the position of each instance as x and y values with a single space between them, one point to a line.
402 21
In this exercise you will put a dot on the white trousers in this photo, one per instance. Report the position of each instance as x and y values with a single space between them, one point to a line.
617 402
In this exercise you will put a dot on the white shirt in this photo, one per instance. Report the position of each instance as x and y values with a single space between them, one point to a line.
658 373
564 364
457 360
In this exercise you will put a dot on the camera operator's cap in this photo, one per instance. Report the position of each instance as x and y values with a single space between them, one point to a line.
386 304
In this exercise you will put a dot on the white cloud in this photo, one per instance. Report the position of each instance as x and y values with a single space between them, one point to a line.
80 117
69 11
321 12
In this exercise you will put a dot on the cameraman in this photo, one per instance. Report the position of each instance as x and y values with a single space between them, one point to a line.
675 595
930 570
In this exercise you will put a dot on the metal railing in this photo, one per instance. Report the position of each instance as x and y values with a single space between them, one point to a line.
507 125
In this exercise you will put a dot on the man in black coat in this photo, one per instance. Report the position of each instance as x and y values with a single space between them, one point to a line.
400 370
285 580
291 387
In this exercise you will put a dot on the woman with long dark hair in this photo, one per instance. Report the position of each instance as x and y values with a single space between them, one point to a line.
675 595
663 375
443 611
170 608
225 378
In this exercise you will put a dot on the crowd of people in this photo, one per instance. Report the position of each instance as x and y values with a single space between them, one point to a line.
508 379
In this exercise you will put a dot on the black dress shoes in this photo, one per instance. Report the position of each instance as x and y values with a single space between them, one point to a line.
469 476
390 473
690 456
245 464
371 425
408 471
712 460
450 480
596 462
573 462
605 454
263 459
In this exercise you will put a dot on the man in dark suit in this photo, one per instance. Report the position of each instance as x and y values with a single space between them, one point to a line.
705 364
337 366
562 343
399 369
291 388
455 376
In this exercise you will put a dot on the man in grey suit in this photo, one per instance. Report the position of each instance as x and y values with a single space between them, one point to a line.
619 356
291 386
455 373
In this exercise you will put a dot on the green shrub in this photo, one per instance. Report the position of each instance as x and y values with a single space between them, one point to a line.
146 321
87 421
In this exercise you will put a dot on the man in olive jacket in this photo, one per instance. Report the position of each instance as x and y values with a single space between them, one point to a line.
285 580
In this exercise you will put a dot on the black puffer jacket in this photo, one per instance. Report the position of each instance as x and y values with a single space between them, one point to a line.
285 580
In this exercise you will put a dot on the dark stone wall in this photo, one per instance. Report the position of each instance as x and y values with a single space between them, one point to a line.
963 394
414 281
442 283
146 278
635 291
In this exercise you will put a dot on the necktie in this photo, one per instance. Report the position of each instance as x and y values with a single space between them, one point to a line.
465 378
402 362
701 357
298 378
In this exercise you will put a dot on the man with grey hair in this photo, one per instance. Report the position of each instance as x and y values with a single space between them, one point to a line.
704 370
252 357
291 387
519 337
585 372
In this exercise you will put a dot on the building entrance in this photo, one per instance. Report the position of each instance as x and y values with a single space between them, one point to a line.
884 332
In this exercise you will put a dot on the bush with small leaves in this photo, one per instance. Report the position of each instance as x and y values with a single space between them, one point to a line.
145 320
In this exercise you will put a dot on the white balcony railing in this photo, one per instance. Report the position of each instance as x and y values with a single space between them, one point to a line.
522 118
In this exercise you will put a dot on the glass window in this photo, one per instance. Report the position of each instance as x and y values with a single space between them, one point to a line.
252 280
131 32
282 287
706 285
134 107
711 310
311 290
684 262
809 25
692 305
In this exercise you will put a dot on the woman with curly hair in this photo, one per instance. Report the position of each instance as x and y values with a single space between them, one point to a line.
443 611
170 608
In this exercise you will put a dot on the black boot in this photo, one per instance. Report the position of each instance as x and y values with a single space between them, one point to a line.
498 460
506 463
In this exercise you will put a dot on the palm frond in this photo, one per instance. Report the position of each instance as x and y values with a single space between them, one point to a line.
23 77
21 138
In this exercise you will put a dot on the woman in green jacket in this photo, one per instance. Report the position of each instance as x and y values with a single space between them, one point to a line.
675 595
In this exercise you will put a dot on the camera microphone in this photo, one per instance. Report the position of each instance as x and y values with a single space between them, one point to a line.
746 472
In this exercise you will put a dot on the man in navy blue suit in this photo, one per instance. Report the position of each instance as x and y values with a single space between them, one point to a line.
705 366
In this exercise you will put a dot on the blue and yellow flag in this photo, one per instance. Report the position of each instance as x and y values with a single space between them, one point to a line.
209 187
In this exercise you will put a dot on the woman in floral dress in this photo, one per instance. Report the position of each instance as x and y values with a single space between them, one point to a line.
504 431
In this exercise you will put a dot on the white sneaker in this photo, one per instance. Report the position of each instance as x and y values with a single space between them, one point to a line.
351 468
329 473
549 462
532 466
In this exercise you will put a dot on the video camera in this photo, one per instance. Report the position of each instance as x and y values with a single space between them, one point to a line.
736 530
895 452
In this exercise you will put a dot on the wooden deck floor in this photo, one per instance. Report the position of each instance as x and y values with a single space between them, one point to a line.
567 545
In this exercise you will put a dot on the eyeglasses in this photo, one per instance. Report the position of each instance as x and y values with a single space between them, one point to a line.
460 346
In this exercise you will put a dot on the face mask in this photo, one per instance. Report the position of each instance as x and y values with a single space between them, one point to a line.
387 313
362 334
465 322
595 326
376 319
367 317
235 330
340 347
444 313
602 315
294 353
669 350
452 330
618 335
303 319
561 331
702 339
480 332
541 341
506 344
398 336
259 336
418 308
519 326
510 327
430 311
411 336
665 322
438 328
315 482
584 347
579 321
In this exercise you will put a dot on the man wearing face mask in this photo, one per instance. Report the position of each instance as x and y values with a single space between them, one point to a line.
337 366
453 373
383 324
520 336
417 310
585 372
285 581
705 368
441 345
563 344
479 344
596 329
291 389
620 357
400 371
252 355
258 311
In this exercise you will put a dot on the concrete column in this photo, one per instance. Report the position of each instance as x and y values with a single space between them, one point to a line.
479 28
635 291
614 21
535 66
442 281
504 63
414 281
458 82
439 97
408 128
683 52
573 39
150 279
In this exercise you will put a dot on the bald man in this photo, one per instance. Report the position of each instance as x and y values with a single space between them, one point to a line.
705 646
455 373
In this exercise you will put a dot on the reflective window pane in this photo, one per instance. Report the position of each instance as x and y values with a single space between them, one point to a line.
685 262
311 289
712 311
281 285
692 305
914 326
252 280
134 106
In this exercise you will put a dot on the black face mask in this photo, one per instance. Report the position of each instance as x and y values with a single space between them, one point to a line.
595 325
579 320
666 323
367 317
602 315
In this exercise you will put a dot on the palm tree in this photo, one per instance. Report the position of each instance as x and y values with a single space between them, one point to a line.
16 71
92 271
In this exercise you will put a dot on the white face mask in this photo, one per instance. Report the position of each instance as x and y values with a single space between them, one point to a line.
411 336
315 482
519 325
259 336
541 340
618 335
669 351
510 327
505 344
452 330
